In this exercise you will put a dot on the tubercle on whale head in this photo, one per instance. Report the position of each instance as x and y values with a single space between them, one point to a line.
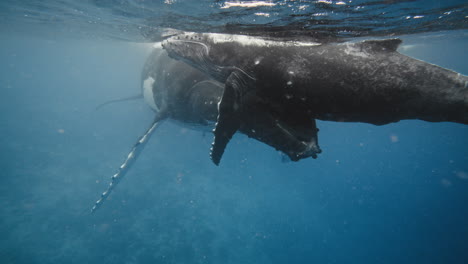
188 47
196 49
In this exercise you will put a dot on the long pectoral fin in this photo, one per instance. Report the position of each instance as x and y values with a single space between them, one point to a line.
229 114
131 157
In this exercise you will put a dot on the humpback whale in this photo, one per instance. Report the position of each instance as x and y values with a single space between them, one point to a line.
186 95
366 81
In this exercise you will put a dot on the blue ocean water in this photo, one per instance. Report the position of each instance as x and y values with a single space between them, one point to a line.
377 194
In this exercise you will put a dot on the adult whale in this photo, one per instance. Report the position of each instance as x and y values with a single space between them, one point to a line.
367 81
181 93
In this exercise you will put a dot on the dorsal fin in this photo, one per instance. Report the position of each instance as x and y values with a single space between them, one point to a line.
381 44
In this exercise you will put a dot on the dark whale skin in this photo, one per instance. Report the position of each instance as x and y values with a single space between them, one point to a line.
366 81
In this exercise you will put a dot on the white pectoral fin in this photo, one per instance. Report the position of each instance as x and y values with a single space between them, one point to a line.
131 158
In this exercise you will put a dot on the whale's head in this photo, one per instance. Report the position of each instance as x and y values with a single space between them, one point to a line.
214 54
192 47
195 49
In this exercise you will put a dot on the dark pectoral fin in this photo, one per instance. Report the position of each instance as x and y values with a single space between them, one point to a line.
298 140
229 114
293 134
225 129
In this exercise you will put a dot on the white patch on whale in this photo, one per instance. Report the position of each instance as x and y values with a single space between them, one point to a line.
148 93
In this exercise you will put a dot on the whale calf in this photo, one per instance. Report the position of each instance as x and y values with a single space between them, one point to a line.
366 81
